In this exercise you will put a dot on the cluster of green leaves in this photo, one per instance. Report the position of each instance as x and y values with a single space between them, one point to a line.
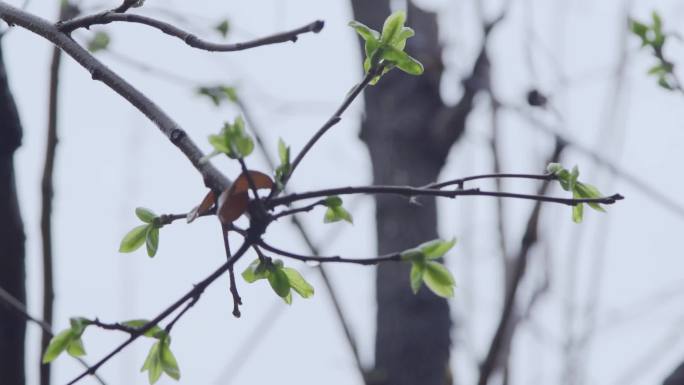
160 359
219 94
282 279
99 42
652 35
232 141
284 167
68 340
424 268
335 211
568 181
147 233
386 50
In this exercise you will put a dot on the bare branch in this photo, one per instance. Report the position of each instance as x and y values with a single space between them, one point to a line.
417 191
336 258
334 119
187 37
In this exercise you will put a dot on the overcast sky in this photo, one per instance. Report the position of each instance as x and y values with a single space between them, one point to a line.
625 266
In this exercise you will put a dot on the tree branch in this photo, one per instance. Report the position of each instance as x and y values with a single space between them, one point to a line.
14 16
336 258
334 119
416 191
187 37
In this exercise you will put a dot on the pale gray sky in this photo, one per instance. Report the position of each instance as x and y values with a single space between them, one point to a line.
111 159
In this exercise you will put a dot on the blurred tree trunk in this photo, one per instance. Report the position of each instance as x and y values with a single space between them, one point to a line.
676 377
12 273
409 131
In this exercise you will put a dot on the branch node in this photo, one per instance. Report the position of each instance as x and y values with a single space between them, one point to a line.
317 26
95 74
176 135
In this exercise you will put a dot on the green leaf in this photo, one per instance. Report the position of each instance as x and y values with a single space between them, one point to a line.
664 83
417 273
585 190
439 279
638 28
392 27
402 60
133 239
75 348
223 27
372 55
57 345
218 94
244 145
288 298
400 41
279 282
415 255
298 283
577 210
255 271
220 143
153 363
99 42
168 361
336 214
657 69
154 332
364 31
572 180
436 248
78 325
232 140
152 241
145 215
283 152
657 22
333 201
554 168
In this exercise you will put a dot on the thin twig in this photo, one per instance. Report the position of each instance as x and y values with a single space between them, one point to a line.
298 210
187 37
237 301
417 191
461 182
333 120
197 290
312 258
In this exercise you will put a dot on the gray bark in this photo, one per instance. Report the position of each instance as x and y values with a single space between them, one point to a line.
12 269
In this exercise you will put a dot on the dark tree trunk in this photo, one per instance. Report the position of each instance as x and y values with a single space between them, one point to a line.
409 132
12 273
676 377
